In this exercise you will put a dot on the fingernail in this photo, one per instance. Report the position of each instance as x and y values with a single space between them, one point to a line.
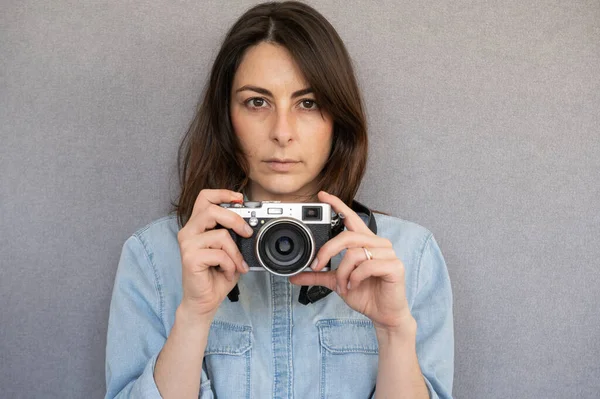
314 264
349 286
337 289
245 265
248 230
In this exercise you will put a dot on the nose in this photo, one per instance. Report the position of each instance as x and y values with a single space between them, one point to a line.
283 129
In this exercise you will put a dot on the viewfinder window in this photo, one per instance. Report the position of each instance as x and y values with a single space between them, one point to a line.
311 213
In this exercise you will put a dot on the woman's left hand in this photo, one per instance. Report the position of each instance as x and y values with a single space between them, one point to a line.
370 277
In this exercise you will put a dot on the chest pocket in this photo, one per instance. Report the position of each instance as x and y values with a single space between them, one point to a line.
228 357
349 355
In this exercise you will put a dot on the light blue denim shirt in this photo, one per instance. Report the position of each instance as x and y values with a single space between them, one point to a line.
268 345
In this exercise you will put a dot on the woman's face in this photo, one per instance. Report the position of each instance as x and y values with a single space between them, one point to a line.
284 135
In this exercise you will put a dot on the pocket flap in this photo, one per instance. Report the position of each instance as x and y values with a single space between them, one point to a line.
348 336
228 339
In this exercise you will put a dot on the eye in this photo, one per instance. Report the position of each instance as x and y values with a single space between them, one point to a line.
308 104
256 102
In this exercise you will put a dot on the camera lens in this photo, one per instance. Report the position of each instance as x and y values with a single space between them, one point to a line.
284 246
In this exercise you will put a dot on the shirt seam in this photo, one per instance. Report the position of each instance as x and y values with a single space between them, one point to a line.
157 285
274 388
166 218
290 342
419 267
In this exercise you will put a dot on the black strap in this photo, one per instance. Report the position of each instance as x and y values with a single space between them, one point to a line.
312 294
360 208
234 294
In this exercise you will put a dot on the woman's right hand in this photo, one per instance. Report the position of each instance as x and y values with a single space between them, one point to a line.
210 259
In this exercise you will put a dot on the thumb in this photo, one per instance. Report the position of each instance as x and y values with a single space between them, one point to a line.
325 279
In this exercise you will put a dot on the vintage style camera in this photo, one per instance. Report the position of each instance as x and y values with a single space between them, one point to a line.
287 236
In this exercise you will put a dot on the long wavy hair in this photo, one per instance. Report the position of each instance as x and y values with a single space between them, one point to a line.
210 154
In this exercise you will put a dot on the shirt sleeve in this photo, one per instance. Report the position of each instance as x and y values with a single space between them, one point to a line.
432 309
136 333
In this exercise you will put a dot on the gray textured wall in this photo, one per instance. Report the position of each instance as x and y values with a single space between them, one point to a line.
484 119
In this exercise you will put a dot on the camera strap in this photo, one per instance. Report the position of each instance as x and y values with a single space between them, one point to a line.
314 293
369 219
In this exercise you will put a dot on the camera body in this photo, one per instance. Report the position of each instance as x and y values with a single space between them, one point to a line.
287 236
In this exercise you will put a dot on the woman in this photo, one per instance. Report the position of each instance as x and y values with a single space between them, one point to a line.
281 120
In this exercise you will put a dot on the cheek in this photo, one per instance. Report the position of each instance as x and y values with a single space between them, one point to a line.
248 147
243 132
324 138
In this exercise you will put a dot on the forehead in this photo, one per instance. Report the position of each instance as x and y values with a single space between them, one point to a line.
270 66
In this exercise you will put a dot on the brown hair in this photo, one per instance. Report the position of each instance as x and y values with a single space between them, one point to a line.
210 155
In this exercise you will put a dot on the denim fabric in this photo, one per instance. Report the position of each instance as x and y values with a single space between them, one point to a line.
268 345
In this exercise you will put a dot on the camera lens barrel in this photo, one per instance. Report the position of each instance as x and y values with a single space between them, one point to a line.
284 246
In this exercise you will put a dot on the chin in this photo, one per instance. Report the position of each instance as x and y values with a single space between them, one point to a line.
283 187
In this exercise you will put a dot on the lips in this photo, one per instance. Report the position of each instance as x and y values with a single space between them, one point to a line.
281 164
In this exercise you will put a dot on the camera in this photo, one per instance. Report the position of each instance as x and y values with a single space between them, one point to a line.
287 236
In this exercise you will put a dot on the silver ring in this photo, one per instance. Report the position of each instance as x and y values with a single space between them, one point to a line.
273 222
368 254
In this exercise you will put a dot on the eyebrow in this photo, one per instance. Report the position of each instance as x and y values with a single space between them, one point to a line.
268 93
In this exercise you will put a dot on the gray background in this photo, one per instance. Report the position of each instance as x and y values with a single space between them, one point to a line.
484 124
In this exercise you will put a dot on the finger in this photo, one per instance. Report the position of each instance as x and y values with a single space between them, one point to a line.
352 221
325 279
217 239
208 196
201 260
352 259
348 239
225 264
215 215
388 271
